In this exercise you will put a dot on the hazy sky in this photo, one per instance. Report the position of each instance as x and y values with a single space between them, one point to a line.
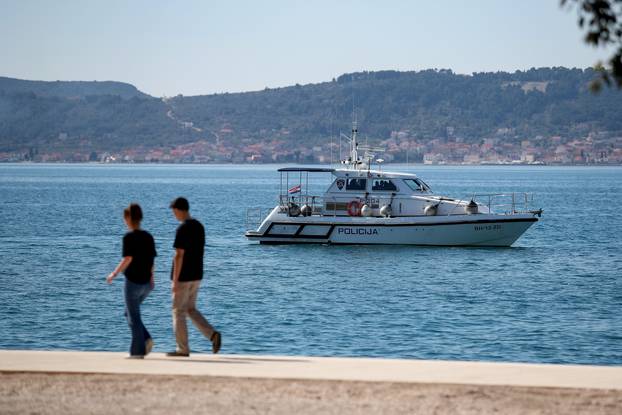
202 47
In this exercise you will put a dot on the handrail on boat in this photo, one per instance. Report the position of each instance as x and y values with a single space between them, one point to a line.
510 202
500 203
254 218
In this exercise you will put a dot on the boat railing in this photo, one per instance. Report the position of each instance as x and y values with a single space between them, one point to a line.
505 203
254 217
294 203
312 205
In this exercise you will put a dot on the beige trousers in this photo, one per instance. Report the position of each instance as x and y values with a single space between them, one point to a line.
184 304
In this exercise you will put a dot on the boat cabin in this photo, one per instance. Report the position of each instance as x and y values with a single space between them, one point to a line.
370 193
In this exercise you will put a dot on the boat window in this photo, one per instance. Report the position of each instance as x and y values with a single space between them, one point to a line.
383 184
417 185
356 184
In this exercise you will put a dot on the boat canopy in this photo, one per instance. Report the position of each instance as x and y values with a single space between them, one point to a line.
306 169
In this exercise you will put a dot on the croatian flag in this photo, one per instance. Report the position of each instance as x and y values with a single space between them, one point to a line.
295 189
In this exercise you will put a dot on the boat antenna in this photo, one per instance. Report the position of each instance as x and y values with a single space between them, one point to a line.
352 90
331 139
353 144
331 149
340 146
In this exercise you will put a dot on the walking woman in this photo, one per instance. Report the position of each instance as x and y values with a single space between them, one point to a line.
137 265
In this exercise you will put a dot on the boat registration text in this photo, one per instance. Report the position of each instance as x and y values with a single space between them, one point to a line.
488 227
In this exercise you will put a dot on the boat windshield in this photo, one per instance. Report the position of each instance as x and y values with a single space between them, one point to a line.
417 185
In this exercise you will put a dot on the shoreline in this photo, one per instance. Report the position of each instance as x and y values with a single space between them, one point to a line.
337 165
105 382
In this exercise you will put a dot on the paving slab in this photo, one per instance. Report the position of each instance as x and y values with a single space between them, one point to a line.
318 368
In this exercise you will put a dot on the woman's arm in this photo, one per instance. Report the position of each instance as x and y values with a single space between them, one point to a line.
120 268
152 276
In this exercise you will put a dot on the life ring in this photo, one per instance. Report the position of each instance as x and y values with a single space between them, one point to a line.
354 208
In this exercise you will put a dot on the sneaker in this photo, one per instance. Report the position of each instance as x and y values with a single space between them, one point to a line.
177 354
216 342
135 356
148 346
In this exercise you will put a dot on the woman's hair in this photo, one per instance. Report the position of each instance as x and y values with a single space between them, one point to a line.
134 213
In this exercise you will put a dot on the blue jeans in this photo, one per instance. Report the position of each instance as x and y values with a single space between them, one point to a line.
135 294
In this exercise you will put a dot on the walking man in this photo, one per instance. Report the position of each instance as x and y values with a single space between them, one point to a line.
186 278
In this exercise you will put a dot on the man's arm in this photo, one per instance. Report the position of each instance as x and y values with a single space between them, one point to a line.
155 254
120 268
178 261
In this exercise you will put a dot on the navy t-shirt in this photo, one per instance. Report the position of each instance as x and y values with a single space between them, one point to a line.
140 246
190 237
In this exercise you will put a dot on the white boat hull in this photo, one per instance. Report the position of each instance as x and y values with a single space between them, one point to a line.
450 230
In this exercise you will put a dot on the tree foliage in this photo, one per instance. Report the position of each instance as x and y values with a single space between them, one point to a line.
540 101
602 20
70 89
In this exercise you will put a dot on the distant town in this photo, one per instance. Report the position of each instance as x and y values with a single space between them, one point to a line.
401 147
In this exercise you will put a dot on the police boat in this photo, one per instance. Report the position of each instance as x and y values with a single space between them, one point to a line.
371 206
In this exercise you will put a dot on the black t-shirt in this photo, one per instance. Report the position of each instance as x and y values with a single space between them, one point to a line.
140 246
190 237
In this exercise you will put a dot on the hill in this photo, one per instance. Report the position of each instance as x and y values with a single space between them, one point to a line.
69 89
536 102
72 117
500 115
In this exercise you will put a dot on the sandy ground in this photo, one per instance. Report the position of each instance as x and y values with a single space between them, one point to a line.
57 393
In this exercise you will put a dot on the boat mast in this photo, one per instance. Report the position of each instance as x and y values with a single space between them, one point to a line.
354 145
354 161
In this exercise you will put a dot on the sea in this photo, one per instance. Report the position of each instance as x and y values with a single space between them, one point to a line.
555 296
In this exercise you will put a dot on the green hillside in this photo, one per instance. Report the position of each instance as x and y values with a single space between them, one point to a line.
536 102
69 89
62 117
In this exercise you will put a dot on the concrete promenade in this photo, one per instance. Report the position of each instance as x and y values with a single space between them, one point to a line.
106 382
318 368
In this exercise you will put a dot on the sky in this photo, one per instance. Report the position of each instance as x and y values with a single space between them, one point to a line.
166 48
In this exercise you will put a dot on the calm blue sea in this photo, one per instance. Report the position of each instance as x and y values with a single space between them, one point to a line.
554 297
